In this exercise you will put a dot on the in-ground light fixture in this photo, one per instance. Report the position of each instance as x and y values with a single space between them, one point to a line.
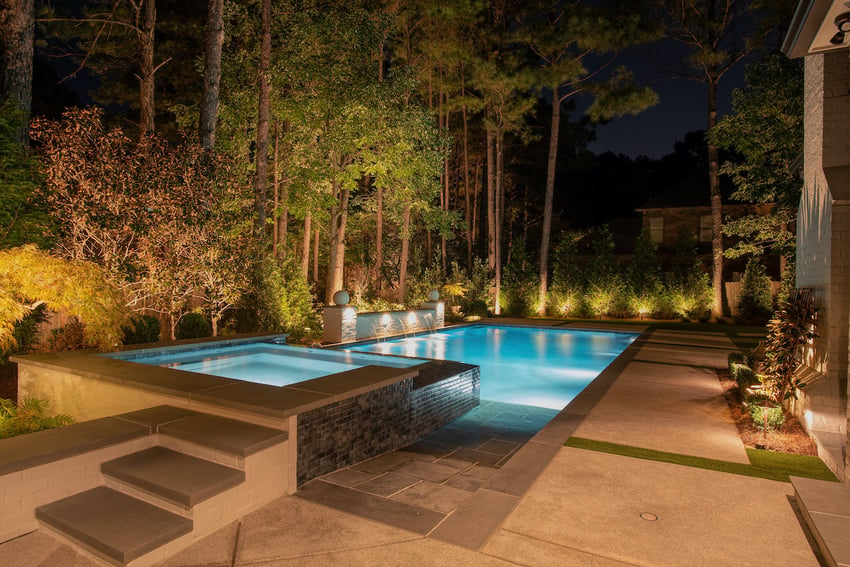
842 22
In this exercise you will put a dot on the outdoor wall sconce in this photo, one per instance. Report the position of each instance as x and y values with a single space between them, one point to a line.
842 22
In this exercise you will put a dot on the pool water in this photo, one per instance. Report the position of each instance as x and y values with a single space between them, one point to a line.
264 363
519 365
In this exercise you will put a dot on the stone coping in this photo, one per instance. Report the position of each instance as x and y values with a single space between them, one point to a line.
277 402
227 435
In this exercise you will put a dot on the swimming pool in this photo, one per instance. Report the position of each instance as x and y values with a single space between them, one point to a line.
261 362
519 365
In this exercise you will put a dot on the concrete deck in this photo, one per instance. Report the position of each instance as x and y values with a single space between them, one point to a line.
547 504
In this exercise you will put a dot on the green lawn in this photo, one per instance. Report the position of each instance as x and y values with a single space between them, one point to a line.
763 464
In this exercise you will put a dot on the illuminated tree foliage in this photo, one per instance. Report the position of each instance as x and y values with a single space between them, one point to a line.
30 277
167 223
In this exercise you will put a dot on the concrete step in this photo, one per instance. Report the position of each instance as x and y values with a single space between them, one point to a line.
224 435
112 525
826 509
178 478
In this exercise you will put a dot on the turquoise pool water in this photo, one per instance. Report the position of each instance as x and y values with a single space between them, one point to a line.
264 363
519 365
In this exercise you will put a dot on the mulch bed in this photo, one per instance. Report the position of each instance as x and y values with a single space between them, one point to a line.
790 438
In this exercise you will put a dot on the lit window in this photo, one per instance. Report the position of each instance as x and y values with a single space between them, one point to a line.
656 229
705 228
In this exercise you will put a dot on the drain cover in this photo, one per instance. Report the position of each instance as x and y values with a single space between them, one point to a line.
649 517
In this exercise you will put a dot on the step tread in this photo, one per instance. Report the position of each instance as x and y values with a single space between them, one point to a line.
174 476
223 434
113 524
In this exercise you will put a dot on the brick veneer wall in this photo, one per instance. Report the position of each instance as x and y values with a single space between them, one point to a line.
823 229
383 420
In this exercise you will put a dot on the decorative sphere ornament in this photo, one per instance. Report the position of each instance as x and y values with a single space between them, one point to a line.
341 297
434 295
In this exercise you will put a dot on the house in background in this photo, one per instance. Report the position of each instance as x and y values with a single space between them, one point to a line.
823 221
686 209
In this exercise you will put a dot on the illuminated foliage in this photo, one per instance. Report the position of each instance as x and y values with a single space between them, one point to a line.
30 277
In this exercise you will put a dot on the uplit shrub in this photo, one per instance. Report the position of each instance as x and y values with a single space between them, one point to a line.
605 290
643 278
756 299
687 289
519 283
743 375
566 291
283 302
766 417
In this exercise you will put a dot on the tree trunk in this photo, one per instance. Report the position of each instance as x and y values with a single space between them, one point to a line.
305 256
405 253
444 104
716 209
468 210
16 48
546 233
261 181
379 239
316 256
146 81
212 73
491 205
336 261
500 212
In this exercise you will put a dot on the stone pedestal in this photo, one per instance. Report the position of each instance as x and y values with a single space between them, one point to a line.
340 323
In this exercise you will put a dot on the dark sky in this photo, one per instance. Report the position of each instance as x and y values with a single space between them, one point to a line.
681 107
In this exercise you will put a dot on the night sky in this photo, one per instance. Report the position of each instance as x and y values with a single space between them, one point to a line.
681 108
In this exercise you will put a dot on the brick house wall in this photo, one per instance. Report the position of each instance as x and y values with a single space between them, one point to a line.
823 248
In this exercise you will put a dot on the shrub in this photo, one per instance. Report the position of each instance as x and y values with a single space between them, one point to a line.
193 326
519 283
28 416
142 329
687 290
643 277
791 326
566 293
735 356
282 301
743 375
767 417
70 337
756 300
605 289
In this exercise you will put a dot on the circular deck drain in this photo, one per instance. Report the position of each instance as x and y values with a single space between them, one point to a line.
649 517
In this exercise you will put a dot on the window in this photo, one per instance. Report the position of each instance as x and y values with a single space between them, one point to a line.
656 229
705 228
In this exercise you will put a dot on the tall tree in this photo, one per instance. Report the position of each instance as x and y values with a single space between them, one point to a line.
569 41
718 34
766 130
16 52
212 73
261 181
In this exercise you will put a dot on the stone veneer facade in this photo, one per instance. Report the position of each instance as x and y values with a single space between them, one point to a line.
823 252
380 421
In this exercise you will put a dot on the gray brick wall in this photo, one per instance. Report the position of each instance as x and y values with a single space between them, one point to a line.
823 238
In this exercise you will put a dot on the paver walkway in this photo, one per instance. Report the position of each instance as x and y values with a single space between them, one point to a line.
584 508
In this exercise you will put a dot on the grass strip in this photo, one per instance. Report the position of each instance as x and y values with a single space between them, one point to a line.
763 464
